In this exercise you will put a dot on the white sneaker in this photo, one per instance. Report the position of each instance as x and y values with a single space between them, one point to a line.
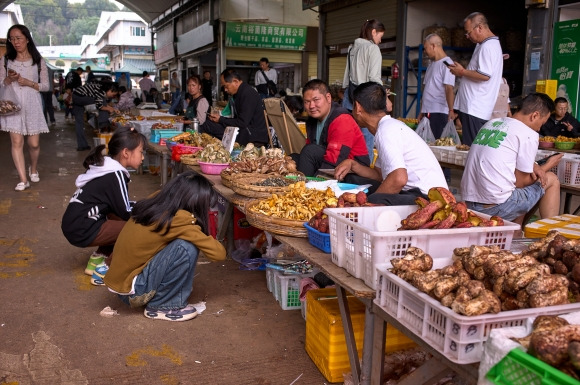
33 177
22 186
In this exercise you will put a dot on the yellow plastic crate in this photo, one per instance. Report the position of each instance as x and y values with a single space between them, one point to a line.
568 225
548 87
325 342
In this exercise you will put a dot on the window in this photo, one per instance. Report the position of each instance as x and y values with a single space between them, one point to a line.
137 31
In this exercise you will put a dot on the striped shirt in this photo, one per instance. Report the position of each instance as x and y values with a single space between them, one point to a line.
94 91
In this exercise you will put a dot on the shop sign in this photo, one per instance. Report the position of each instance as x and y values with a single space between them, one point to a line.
271 36
566 61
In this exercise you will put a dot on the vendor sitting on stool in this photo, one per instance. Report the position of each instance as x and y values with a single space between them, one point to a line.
561 123
501 177
405 168
332 133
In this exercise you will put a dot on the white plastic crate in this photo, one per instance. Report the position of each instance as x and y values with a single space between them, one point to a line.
358 247
568 170
270 281
460 157
460 338
448 154
286 288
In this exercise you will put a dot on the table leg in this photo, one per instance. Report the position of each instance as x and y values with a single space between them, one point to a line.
164 165
567 202
348 334
367 353
378 360
224 226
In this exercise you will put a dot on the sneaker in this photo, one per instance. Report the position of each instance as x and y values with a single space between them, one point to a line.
99 274
33 177
94 260
185 314
22 186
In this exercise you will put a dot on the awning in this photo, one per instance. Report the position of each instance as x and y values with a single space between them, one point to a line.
131 69
142 64
95 67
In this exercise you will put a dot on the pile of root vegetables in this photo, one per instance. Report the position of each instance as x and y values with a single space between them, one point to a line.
556 342
320 220
486 279
442 211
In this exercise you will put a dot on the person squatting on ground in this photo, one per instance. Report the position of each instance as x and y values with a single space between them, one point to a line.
25 72
480 81
501 177
100 206
92 93
332 135
405 168
155 256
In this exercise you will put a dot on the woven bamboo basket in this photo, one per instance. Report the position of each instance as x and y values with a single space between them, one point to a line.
240 200
226 176
246 186
275 225
189 159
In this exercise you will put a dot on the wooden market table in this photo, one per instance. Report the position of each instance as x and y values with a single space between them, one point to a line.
370 370
164 156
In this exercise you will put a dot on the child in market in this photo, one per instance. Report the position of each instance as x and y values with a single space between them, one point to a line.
156 253
100 206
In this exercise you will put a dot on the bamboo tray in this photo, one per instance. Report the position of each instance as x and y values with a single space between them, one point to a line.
289 227
245 185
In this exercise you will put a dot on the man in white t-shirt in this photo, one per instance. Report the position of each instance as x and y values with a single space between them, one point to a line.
438 95
481 79
501 177
405 168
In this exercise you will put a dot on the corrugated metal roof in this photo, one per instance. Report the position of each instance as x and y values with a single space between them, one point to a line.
142 64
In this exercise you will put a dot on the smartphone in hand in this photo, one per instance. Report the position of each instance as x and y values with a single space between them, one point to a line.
447 63
543 161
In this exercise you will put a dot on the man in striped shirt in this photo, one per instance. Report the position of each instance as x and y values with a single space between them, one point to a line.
91 93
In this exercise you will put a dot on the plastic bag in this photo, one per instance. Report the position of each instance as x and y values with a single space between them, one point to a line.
9 102
424 131
449 131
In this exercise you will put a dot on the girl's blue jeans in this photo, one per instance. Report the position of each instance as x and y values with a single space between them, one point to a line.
167 280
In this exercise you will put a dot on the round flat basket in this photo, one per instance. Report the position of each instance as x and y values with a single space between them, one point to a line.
226 176
189 160
275 225
240 200
247 186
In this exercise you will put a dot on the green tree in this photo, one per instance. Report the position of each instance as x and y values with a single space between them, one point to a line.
59 63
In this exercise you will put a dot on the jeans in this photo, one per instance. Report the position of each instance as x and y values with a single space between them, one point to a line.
167 280
47 106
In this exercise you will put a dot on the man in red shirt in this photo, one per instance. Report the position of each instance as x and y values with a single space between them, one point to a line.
332 133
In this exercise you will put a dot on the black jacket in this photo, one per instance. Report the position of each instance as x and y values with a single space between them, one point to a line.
248 116
555 128
100 191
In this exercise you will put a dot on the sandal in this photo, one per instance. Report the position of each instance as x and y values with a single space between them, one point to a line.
33 177
22 186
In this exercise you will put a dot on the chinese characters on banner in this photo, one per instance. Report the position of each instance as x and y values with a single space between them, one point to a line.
253 35
566 61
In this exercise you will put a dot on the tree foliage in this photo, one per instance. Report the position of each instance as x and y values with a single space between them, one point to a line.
60 22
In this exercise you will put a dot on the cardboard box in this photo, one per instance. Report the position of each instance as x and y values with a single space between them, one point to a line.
325 342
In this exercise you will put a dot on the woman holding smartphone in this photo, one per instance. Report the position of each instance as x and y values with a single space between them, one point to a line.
23 69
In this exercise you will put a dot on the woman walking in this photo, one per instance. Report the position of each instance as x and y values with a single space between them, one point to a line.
23 69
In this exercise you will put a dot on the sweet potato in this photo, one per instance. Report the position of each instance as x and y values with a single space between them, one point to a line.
421 216
447 222
361 198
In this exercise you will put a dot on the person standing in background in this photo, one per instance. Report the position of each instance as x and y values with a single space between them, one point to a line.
263 77
364 63
438 96
48 107
174 87
145 84
480 81
90 77
24 70
207 86
73 78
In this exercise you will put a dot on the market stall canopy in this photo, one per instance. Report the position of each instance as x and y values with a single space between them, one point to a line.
141 64
54 68
94 67
131 69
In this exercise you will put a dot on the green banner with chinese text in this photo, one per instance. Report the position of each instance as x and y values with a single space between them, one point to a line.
269 36
566 61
